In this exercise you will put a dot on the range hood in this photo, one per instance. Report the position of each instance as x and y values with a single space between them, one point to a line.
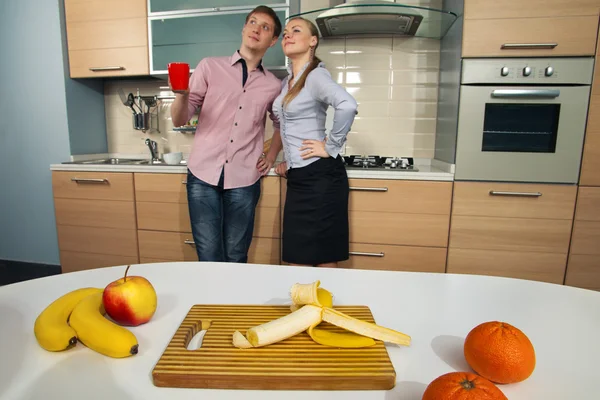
372 17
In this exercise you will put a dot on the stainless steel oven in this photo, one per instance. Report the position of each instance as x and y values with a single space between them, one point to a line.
522 120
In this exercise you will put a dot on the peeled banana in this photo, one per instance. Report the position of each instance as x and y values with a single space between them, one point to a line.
51 328
99 333
311 306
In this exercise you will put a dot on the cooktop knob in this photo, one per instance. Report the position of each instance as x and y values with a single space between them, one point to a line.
526 71
549 71
504 71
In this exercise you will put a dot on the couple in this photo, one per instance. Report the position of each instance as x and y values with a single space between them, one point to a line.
227 159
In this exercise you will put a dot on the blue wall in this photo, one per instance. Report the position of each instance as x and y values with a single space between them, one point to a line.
34 126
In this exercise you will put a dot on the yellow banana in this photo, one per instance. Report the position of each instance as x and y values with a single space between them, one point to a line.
51 327
99 333
349 340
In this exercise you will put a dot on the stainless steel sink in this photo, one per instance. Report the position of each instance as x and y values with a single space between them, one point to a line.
124 161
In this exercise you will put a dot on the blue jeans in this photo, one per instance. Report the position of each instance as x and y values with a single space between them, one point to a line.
222 219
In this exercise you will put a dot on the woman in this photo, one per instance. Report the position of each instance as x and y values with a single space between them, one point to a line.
315 217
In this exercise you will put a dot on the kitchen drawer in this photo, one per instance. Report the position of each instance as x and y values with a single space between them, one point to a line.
583 271
167 246
119 242
92 185
575 36
411 197
474 198
72 261
95 213
107 34
588 204
269 192
163 217
180 247
129 61
486 9
161 188
396 258
267 223
545 267
399 229
511 234
586 238
94 10
590 167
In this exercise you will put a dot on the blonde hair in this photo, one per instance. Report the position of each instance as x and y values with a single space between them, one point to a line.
293 92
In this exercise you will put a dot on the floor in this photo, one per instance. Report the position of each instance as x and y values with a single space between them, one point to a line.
17 271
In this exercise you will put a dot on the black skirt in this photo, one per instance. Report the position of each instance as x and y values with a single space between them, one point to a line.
315 216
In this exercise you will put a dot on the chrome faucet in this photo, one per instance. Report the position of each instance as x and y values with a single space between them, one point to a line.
153 149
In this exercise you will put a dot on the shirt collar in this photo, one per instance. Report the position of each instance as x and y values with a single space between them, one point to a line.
237 57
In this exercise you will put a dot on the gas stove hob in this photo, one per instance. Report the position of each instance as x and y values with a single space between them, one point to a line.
380 163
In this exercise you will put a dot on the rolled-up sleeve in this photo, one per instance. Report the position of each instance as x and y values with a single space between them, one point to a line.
323 88
198 87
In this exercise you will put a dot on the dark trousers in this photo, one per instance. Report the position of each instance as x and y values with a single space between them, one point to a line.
222 219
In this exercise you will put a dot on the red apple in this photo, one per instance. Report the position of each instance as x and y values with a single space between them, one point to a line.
130 300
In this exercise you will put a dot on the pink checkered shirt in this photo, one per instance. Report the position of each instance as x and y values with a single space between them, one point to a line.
231 125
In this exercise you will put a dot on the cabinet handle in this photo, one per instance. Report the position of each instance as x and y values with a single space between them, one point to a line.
188 242
519 46
100 69
369 189
518 194
523 93
89 180
184 182
360 253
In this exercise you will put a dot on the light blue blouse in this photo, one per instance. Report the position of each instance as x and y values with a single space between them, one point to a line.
304 117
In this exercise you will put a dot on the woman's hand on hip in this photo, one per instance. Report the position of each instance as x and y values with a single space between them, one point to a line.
313 148
281 169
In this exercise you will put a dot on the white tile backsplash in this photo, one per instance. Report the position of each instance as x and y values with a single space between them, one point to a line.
394 80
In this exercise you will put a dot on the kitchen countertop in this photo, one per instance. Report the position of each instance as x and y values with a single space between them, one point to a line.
428 170
436 310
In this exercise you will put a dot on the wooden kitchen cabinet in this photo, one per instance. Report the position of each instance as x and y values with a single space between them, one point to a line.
107 38
491 29
95 219
583 269
163 220
397 225
514 230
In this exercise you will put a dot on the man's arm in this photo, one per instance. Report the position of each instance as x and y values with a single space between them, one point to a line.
179 108
186 103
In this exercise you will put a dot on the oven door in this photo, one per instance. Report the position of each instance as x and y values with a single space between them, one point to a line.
521 133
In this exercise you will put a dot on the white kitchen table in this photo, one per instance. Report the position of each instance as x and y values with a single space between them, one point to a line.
436 310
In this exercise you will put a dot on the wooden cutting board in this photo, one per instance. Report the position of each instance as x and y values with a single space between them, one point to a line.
297 363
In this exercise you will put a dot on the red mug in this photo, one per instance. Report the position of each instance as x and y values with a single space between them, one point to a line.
179 75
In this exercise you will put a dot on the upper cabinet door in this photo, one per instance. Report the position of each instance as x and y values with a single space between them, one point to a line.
162 6
189 39
486 9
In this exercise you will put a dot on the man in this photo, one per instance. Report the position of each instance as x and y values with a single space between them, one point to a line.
227 160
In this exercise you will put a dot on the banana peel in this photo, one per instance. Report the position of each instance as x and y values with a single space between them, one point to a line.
312 306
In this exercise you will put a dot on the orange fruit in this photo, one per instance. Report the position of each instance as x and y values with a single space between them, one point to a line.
462 386
500 352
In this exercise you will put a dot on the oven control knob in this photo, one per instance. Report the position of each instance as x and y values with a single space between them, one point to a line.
549 71
526 71
504 71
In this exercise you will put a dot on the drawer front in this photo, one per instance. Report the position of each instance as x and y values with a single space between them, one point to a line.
411 197
72 261
583 271
94 10
588 204
107 34
514 200
396 258
95 213
399 229
161 188
171 217
119 242
269 192
486 9
267 223
545 267
590 166
130 61
511 234
265 251
92 185
167 246
586 238
574 36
